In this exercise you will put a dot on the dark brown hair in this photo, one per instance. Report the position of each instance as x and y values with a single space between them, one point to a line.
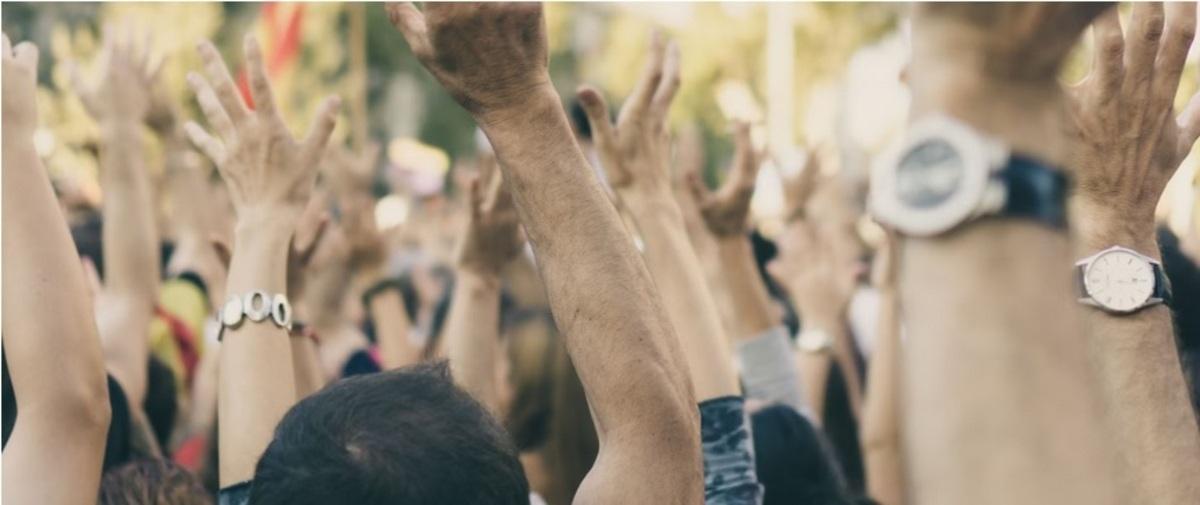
152 482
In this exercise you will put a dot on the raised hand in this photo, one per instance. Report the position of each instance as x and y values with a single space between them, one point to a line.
123 89
493 237
349 173
819 281
726 211
20 88
635 151
264 166
489 56
798 188
1130 141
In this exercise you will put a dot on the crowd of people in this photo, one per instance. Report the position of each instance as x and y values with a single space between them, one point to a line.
585 319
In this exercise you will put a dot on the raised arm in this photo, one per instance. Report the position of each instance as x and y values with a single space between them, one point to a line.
491 240
50 341
881 445
270 176
492 59
1130 144
118 101
1001 405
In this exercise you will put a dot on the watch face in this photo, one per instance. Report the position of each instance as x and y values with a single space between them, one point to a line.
929 174
1119 280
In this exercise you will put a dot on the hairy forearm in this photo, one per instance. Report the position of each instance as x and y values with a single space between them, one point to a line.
690 306
996 372
881 410
473 334
392 328
745 291
1142 380
602 297
50 343
257 385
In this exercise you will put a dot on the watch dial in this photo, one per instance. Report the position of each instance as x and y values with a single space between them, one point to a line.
1120 281
929 174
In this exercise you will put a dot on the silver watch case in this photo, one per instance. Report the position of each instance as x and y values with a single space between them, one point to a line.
978 193
1084 266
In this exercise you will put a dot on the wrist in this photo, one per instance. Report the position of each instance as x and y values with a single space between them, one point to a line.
534 101
477 280
265 222
1099 226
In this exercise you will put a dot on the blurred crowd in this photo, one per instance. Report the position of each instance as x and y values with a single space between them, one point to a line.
582 316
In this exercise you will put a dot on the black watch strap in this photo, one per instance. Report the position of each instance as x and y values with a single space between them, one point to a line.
1035 191
1162 284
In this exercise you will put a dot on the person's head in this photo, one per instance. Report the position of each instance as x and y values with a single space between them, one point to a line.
794 464
152 481
407 436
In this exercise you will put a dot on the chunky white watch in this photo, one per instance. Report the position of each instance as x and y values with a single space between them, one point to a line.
1121 280
256 306
944 173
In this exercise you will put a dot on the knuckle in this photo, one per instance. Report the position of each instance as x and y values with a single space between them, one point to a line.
1152 27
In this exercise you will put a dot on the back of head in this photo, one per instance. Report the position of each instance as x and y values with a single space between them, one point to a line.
407 436
793 462
152 482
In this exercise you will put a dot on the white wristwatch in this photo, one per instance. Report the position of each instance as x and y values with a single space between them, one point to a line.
1121 280
945 173
256 306
814 341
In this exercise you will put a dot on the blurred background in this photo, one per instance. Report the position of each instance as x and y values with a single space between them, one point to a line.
821 75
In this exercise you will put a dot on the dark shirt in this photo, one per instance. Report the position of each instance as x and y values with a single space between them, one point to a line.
729 475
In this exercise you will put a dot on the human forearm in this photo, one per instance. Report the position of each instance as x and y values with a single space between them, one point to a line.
306 366
131 248
472 334
744 288
622 345
392 328
50 342
881 410
690 306
256 381
1140 376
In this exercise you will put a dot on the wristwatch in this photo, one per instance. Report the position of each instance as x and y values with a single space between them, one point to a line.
814 341
944 173
255 306
1121 281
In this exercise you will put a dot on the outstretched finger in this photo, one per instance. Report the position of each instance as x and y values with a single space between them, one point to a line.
1145 32
260 87
211 107
222 82
411 23
206 143
7 47
596 110
1107 61
322 126
669 85
647 85
745 158
1177 39
26 54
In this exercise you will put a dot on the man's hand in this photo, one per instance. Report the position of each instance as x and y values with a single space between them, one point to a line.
264 166
1129 139
348 173
491 57
20 89
635 151
493 237
120 94
819 281
727 211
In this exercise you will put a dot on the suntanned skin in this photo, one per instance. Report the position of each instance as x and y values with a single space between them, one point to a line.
635 153
270 176
119 103
880 432
492 239
50 340
1001 405
1130 143
492 59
